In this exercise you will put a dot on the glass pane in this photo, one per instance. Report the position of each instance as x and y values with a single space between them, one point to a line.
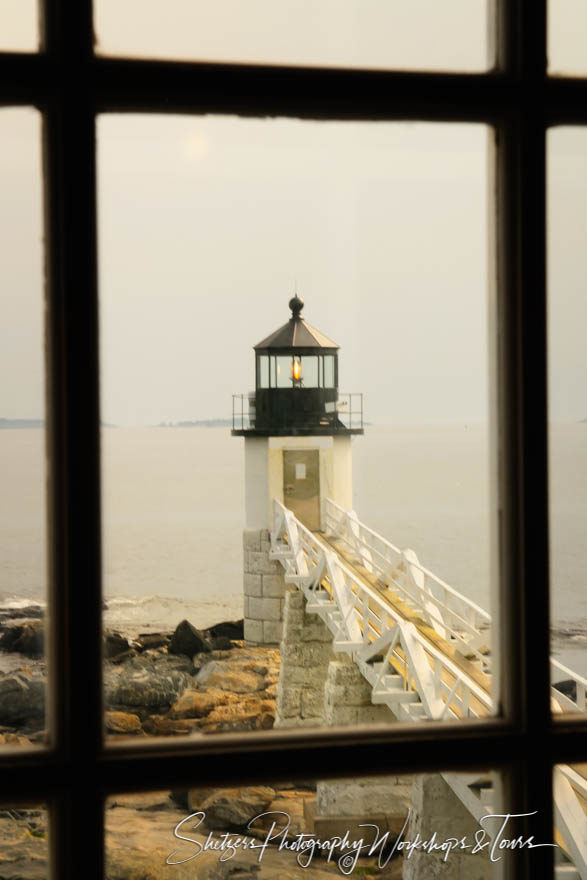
283 367
24 832
329 371
567 378
567 25
19 25
569 785
264 371
187 522
309 371
442 825
23 562
354 33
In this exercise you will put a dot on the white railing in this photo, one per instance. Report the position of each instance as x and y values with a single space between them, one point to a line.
563 702
385 646
408 672
464 624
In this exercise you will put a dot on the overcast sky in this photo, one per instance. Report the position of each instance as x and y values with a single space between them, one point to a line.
206 224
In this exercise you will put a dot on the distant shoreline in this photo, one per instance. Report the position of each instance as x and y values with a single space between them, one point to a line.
11 424
202 423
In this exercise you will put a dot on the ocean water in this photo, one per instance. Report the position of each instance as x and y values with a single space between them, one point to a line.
173 514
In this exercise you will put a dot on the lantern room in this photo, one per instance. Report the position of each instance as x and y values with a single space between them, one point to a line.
296 385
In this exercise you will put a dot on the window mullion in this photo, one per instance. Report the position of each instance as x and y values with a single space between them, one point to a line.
519 433
75 607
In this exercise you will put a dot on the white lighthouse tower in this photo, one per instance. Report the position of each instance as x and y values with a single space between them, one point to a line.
298 431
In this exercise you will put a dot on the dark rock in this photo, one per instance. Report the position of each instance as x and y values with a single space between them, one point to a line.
233 808
180 798
148 641
222 643
188 640
122 658
144 681
157 725
230 629
114 644
24 638
28 612
21 698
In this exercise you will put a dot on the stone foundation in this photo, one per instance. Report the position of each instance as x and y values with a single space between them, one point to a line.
264 590
347 696
436 808
306 650
381 800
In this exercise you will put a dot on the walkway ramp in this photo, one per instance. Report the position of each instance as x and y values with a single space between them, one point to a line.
423 646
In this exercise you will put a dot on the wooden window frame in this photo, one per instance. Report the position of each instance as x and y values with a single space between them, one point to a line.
69 86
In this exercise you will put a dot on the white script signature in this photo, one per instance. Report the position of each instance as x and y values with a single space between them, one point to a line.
343 850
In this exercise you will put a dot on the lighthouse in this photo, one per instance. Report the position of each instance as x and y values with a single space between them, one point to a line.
298 429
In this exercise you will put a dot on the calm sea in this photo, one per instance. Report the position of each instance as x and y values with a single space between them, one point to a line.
173 519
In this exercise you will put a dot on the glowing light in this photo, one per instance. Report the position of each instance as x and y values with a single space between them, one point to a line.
296 370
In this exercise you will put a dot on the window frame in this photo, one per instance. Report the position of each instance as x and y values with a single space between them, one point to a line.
69 86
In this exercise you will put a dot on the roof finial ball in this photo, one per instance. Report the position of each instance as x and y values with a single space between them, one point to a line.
296 305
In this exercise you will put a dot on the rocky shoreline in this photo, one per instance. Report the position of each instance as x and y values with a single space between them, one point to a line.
160 684
186 682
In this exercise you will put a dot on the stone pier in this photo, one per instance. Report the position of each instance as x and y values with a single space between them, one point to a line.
264 590
437 809
306 650
345 804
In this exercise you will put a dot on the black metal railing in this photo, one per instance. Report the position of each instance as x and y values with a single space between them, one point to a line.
346 413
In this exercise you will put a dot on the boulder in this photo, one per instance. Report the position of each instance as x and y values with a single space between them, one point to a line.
22 698
222 643
148 641
291 803
188 640
157 725
153 686
247 714
14 739
192 704
114 644
139 842
233 808
230 629
25 638
28 612
24 844
122 722
229 678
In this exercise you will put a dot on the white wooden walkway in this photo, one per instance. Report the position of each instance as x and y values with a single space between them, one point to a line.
423 646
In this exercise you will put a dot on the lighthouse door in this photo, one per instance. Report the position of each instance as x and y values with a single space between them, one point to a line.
301 485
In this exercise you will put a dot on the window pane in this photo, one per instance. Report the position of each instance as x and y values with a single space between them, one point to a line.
24 832
354 33
569 784
309 371
23 563
567 376
567 25
19 26
444 825
264 371
283 371
329 371
186 521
